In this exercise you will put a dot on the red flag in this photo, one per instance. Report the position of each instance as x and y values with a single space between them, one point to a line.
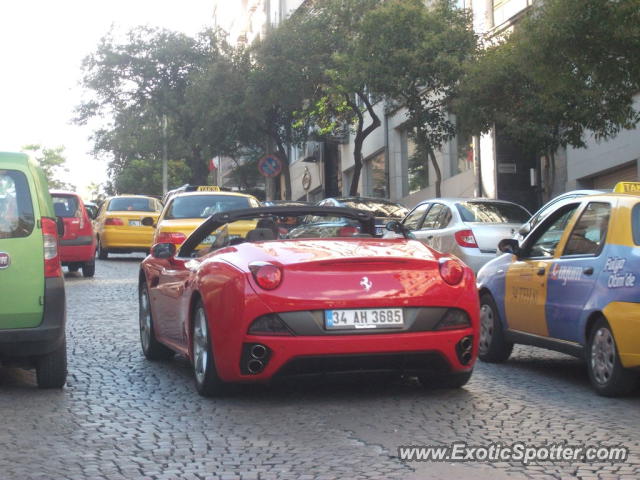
212 164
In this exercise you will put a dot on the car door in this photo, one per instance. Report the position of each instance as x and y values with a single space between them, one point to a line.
169 298
526 278
573 275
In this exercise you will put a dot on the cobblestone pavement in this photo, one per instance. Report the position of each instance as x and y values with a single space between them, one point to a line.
122 417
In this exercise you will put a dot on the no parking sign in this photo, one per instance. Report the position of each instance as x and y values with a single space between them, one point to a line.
270 165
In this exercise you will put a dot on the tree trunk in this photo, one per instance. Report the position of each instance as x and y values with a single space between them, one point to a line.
284 158
432 156
361 134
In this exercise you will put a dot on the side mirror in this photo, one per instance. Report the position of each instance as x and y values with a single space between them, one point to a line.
525 229
60 226
148 222
398 227
163 250
509 245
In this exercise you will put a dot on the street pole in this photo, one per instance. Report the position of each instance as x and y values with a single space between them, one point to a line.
165 179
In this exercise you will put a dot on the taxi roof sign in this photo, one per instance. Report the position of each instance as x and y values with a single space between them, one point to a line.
208 188
627 187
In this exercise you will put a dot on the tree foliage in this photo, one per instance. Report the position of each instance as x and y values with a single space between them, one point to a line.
571 67
53 163
413 56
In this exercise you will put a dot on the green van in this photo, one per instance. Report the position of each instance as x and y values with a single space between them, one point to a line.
32 297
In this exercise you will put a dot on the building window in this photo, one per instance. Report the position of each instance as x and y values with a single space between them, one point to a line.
375 178
503 10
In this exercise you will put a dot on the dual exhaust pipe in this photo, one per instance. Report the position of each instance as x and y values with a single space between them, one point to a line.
464 349
254 359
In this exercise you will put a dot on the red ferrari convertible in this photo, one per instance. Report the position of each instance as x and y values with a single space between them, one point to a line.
247 309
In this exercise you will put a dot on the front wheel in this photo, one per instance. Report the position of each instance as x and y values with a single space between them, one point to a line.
208 383
51 369
607 375
493 347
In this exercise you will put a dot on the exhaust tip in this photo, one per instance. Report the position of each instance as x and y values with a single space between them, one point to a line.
466 343
254 366
258 351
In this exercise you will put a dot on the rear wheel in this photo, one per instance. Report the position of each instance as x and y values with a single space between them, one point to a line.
103 254
208 383
451 380
607 375
51 369
151 347
89 268
493 347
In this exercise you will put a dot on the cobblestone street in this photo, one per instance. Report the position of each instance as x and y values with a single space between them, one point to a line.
123 417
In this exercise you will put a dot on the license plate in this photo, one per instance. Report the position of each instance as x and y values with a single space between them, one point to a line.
369 318
134 223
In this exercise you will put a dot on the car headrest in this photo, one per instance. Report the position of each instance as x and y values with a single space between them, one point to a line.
260 234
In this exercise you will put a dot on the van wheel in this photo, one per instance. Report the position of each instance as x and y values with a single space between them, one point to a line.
51 369
89 268
607 375
493 347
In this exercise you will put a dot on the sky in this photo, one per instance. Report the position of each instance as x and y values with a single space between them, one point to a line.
42 44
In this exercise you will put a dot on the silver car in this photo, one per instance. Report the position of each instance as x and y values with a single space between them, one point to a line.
467 228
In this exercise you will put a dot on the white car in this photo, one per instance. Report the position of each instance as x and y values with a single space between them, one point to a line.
467 228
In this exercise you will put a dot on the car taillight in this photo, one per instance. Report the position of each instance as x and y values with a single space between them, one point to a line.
113 221
52 266
267 275
171 237
451 271
348 231
465 238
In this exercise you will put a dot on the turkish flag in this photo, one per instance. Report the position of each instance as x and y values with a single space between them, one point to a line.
212 164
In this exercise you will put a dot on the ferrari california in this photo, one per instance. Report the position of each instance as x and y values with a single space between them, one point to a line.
249 309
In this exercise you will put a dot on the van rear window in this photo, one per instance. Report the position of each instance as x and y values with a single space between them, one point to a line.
16 211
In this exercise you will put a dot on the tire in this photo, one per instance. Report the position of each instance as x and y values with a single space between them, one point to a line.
103 253
449 381
51 369
151 347
493 348
208 384
608 377
89 268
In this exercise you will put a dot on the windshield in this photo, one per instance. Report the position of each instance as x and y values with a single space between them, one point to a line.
378 209
492 212
203 206
132 204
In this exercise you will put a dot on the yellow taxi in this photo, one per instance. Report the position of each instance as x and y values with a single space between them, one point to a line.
572 286
119 227
184 212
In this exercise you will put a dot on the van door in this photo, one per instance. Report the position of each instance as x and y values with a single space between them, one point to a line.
21 253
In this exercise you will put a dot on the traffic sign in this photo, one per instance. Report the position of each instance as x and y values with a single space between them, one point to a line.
270 165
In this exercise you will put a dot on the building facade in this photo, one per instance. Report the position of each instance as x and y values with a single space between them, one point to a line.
489 166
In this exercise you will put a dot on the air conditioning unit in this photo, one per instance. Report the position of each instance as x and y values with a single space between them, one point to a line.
313 152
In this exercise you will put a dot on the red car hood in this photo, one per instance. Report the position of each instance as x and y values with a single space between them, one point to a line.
320 274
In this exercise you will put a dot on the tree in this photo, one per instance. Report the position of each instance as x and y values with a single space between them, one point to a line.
328 32
413 55
53 162
139 83
570 67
